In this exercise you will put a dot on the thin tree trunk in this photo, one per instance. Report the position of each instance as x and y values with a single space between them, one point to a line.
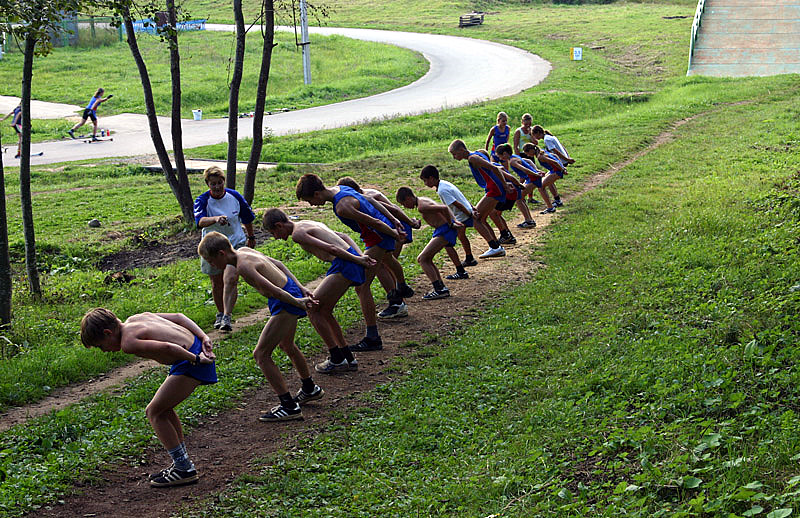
5 261
177 130
233 101
181 192
25 171
261 100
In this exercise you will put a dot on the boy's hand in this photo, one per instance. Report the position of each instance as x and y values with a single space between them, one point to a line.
416 223
365 261
509 188
309 302
456 224
205 359
475 214
208 347
400 235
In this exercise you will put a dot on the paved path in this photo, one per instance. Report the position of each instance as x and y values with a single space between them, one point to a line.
462 71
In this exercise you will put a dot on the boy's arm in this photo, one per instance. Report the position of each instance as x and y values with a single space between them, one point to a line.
398 213
460 206
184 321
305 303
346 209
165 353
511 178
383 209
349 240
552 162
306 238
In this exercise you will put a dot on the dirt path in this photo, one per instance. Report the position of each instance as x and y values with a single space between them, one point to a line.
224 446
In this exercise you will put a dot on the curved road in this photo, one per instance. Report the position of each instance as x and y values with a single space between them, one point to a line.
462 71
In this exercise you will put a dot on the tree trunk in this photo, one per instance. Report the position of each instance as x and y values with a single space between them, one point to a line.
5 261
25 171
261 99
182 193
177 130
233 101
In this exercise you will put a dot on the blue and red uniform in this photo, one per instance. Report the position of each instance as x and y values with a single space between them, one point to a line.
491 182
370 236
527 173
499 138
554 158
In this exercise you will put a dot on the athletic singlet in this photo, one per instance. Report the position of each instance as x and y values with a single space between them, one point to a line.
17 118
488 179
92 103
500 138
523 136
554 158
364 206
525 173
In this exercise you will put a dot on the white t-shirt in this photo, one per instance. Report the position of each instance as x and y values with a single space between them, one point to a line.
551 142
449 193
227 206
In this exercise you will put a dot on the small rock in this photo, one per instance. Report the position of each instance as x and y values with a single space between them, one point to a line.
94 223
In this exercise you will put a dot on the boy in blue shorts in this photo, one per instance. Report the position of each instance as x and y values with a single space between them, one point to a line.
372 221
288 301
348 268
401 221
445 234
171 339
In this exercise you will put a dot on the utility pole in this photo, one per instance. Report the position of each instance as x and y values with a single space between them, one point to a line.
305 43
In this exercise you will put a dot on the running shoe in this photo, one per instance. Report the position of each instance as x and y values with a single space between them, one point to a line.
328 367
436 294
533 201
395 311
493 252
353 365
507 240
154 476
71 133
458 276
281 413
406 292
226 323
527 224
301 398
368 344
558 203
218 320
471 262
173 476
549 210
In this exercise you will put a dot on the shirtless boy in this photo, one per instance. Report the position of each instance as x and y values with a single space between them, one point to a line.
288 301
171 339
348 268
445 233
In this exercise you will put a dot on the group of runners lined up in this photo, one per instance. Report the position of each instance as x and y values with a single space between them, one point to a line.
383 227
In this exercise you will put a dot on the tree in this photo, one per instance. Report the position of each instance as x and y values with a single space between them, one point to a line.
6 285
233 99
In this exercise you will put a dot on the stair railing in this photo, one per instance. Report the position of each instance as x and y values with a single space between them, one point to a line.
698 16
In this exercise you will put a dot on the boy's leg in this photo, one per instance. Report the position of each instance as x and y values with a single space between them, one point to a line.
464 240
161 409
230 293
94 125
425 259
328 294
453 255
523 208
499 221
280 326
217 290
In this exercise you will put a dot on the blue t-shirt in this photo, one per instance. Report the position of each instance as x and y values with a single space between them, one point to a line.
233 206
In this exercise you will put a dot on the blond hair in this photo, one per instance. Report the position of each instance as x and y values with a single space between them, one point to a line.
214 170
456 145
94 322
212 244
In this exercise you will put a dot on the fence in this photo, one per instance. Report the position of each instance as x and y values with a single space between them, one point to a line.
150 26
698 17
88 32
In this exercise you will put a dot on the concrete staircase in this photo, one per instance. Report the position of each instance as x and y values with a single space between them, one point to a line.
740 38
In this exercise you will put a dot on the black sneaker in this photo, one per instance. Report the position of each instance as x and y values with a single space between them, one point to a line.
301 398
471 262
507 240
436 294
457 276
406 292
173 476
394 311
71 133
157 474
368 344
558 203
548 210
281 413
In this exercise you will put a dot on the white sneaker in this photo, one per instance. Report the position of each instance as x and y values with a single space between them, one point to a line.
218 320
493 252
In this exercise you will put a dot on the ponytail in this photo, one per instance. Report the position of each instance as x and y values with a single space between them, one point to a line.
538 130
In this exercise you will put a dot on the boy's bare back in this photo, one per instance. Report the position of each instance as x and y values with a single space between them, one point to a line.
150 326
433 213
254 266
314 229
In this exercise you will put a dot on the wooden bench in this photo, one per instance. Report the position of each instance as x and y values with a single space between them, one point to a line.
467 20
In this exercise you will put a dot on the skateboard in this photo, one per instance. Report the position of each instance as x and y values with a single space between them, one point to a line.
89 141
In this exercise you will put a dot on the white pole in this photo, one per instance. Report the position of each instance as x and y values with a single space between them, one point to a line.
305 43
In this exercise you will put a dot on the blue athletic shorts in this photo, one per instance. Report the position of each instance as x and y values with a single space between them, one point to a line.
276 306
537 182
407 229
448 233
353 272
387 243
560 173
469 222
205 373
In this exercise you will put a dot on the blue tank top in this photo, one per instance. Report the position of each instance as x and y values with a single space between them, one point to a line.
90 105
364 206
552 157
481 176
500 138
522 172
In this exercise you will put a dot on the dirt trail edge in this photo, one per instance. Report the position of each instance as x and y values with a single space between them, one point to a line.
224 446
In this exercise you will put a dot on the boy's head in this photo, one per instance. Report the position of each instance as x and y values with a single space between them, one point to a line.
214 248
406 198
430 176
504 151
458 149
349 182
277 224
100 328
309 188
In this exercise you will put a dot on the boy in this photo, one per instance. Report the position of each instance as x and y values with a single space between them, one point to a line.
407 224
371 221
491 178
444 236
348 268
171 339
288 301
459 206
16 123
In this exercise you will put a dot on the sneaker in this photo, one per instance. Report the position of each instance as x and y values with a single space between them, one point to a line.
457 276
533 201
157 474
493 252
471 262
549 210
407 292
301 398
507 240
558 203
94 138
527 224
328 367
368 344
281 413
72 134
226 323
353 365
394 311
17 156
433 295
173 476
218 320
